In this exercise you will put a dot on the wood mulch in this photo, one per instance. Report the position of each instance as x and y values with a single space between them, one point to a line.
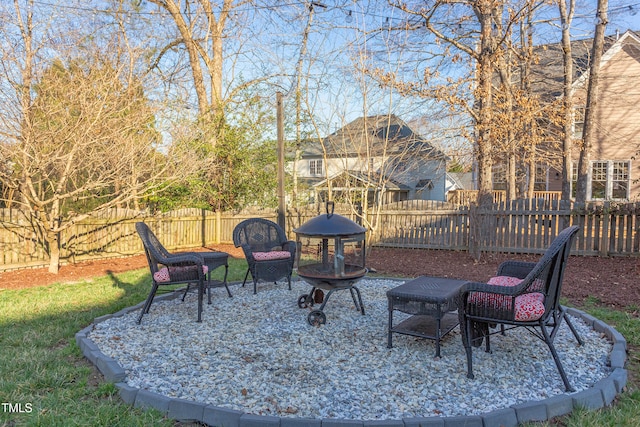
614 281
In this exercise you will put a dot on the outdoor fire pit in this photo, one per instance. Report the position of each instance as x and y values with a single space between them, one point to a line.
331 257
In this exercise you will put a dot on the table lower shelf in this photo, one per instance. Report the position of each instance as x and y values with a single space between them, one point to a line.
425 326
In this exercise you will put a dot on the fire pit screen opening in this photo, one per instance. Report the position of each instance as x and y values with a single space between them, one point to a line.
331 257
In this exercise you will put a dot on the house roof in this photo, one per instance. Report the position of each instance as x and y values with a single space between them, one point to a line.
369 180
461 180
547 75
371 136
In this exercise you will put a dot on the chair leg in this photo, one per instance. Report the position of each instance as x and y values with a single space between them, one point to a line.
226 272
147 303
466 341
207 288
185 292
572 328
485 331
200 298
390 325
558 318
556 359
245 277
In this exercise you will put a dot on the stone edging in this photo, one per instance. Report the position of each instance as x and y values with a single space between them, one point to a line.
600 395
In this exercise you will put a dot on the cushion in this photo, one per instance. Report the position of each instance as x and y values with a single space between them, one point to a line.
270 256
527 307
164 274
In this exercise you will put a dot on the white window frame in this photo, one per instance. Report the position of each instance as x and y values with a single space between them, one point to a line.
542 176
316 167
499 177
610 175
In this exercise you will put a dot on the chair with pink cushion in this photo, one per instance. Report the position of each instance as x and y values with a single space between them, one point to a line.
522 294
170 269
270 255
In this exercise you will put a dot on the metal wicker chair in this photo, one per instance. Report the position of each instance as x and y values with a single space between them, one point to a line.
170 269
522 294
269 254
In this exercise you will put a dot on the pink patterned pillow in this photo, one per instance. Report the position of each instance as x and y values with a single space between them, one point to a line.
269 256
527 307
164 275
504 281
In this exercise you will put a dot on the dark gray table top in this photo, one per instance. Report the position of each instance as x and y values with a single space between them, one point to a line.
428 289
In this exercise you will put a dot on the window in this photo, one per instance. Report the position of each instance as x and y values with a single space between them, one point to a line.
541 178
578 122
499 177
608 180
620 180
598 180
315 167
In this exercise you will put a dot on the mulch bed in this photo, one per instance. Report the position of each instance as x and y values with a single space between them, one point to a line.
614 281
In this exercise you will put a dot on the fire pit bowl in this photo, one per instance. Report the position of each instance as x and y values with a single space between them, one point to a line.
331 257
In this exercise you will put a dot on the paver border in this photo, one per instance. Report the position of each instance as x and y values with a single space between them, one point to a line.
600 395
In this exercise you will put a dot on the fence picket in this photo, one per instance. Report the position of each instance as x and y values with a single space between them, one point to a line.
526 226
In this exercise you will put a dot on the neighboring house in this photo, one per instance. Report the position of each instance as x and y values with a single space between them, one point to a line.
376 158
459 181
613 173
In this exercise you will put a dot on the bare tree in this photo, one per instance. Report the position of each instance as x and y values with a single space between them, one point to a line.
591 102
567 11
464 29
202 35
211 33
81 137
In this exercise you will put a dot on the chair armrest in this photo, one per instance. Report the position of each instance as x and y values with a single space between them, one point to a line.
518 269
184 259
181 259
490 289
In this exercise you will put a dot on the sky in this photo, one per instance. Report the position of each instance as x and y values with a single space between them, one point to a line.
333 43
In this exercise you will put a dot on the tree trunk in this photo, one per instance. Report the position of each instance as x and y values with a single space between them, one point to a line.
477 224
53 239
592 103
566 16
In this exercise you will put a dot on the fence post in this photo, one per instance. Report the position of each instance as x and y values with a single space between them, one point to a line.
203 227
218 228
604 237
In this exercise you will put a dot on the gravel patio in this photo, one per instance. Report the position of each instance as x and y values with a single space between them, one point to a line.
258 355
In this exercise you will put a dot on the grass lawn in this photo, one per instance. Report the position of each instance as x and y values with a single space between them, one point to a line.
45 380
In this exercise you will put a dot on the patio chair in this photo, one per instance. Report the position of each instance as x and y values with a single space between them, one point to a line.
170 269
523 294
269 254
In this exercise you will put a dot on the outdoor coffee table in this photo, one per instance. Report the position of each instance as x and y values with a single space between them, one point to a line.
214 260
431 301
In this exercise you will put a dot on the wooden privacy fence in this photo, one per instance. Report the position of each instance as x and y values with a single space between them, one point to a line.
465 197
518 226
521 226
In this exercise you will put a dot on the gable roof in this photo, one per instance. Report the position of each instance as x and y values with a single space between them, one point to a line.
547 75
371 180
371 136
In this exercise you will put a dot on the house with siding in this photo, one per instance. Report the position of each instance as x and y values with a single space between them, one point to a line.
374 158
614 174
